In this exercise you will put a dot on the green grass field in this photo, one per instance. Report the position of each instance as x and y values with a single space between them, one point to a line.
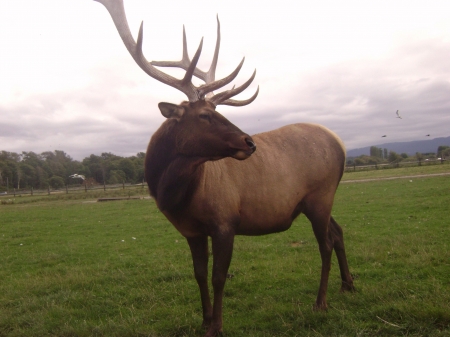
72 267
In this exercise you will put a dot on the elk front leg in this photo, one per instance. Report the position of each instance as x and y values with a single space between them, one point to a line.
222 246
199 251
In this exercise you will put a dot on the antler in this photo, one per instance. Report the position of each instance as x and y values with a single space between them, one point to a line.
117 12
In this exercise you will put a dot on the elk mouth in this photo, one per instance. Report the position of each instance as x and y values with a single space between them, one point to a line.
241 154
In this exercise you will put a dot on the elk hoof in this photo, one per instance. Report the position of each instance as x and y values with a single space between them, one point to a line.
347 286
320 307
212 332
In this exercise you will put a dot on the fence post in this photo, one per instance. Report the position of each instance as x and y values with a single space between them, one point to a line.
104 186
14 192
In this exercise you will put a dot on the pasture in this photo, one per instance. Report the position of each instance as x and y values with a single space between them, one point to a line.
72 267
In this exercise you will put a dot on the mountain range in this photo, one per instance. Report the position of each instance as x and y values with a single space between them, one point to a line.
410 148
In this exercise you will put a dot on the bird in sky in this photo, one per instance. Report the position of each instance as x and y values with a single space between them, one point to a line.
398 115
427 135
383 136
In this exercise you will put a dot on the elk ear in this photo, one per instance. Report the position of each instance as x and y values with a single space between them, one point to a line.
170 110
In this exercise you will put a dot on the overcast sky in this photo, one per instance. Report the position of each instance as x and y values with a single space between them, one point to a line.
68 83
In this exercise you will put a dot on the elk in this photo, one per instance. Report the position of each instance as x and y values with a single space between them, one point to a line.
206 178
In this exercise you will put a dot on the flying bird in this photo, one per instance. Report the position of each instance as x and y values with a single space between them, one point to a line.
77 176
398 115
427 135
383 136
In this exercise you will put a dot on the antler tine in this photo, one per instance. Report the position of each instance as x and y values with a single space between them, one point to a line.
235 102
208 88
184 63
211 74
222 97
191 69
117 12
140 59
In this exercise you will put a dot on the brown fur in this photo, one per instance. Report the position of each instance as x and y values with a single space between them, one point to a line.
203 191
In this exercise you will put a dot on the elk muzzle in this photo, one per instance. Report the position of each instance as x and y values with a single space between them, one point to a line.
248 149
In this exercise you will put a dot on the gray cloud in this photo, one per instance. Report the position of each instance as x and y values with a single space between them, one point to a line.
111 105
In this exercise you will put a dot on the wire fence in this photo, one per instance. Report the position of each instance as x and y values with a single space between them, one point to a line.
354 168
74 189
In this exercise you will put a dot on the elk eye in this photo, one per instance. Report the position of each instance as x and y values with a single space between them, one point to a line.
206 117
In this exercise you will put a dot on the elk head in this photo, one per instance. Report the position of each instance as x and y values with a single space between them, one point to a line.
198 128
220 138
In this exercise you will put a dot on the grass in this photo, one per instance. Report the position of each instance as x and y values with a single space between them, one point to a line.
75 268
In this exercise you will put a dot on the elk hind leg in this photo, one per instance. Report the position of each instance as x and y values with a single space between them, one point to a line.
338 245
320 219
199 251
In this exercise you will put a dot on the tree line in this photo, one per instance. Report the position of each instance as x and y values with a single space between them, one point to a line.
53 170
380 155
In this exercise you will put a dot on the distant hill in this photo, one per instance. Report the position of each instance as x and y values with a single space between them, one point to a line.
422 146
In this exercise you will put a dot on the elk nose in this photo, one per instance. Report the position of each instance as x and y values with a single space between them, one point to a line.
250 144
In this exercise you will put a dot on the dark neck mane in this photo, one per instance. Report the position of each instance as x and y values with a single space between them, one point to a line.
172 178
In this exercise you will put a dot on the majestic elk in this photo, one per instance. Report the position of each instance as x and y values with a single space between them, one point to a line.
201 188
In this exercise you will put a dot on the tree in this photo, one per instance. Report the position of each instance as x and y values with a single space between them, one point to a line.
394 157
27 175
441 150
95 165
126 165
41 178
2 168
116 177
56 182
376 152
8 166
446 153
419 157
